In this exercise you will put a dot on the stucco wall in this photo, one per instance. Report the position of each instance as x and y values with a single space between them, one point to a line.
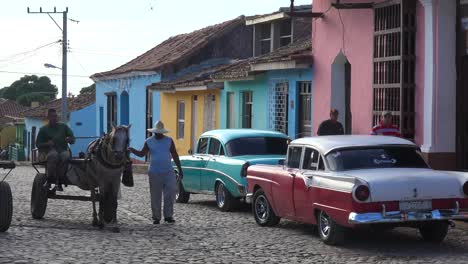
136 88
169 116
83 126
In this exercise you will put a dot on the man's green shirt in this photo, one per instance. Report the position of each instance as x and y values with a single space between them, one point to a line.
57 134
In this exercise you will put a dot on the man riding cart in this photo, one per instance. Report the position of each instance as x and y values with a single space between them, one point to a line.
52 142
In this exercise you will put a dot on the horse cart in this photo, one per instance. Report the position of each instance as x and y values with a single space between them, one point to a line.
6 199
98 172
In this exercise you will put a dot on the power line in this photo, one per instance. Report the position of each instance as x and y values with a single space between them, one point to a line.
44 74
10 57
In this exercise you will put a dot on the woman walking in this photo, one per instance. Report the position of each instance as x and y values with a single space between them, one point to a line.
162 179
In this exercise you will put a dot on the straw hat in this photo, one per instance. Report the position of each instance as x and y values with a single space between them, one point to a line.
158 128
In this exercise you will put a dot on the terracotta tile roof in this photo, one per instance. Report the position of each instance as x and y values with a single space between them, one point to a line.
174 49
11 108
297 9
198 77
74 103
242 69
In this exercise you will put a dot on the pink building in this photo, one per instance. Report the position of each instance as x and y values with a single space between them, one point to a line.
398 56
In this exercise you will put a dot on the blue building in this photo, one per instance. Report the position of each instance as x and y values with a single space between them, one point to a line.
81 113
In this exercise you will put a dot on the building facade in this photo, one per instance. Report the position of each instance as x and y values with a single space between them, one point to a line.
397 56
122 99
272 89
189 97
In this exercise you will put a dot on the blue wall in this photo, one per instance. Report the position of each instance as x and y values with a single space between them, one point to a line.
136 88
83 125
260 88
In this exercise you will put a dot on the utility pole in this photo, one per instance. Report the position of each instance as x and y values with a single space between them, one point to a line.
64 56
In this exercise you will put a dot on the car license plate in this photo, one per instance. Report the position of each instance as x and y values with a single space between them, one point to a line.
415 205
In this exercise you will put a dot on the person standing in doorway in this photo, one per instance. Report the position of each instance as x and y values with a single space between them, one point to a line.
331 126
162 178
386 126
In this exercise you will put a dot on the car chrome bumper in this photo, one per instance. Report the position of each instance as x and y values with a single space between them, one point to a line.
401 217
248 198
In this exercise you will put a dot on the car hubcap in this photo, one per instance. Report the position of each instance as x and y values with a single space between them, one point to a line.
261 208
324 224
220 196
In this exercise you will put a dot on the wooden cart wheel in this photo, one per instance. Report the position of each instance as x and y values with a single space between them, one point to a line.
39 196
6 206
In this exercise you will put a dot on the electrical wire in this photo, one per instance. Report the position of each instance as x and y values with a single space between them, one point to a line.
44 74
10 57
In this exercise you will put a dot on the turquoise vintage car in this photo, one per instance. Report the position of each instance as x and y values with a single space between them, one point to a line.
219 164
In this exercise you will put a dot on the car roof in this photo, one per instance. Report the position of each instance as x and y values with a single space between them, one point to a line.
326 144
226 135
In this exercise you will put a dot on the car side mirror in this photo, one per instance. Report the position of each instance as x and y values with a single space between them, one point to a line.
190 152
281 162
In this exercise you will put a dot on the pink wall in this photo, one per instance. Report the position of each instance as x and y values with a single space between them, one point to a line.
358 48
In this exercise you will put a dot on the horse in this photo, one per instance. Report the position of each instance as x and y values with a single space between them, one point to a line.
106 159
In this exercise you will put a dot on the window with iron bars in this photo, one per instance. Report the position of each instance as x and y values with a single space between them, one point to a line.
278 106
394 63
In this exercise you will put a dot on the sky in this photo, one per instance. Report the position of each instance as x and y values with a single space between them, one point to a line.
109 32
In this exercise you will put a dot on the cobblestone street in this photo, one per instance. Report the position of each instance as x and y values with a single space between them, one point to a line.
202 234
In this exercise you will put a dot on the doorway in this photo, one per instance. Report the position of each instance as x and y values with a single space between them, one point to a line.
194 122
341 90
124 108
209 112
305 110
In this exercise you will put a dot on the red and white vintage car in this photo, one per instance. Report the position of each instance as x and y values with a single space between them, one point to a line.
340 182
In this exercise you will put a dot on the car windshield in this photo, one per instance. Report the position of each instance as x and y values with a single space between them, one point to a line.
257 146
373 158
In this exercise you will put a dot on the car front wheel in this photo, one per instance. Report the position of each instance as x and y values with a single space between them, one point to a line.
224 199
330 232
434 232
262 211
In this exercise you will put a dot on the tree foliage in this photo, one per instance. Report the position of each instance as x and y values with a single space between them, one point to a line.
30 88
88 89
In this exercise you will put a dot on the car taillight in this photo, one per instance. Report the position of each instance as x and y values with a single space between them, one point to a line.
362 193
244 169
465 188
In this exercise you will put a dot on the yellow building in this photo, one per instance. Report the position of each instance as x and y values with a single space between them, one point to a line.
10 116
7 135
188 110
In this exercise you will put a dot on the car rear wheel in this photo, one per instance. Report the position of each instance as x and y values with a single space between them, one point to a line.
224 199
182 196
330 232
262 211
434 232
